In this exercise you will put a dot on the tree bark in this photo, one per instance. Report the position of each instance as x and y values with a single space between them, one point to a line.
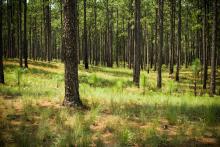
136 70
205 66
179 40
47 30
172 36
72 97
25 35
213 53
85 39
156 38
1 47
20 33
159 77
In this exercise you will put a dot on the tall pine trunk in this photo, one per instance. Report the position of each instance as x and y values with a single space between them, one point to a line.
136 74
160 49
213 53
205 65
72 97
179 40
1 47
20 33
172 36
86 62
25 35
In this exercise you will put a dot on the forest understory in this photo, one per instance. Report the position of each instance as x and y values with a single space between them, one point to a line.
118 113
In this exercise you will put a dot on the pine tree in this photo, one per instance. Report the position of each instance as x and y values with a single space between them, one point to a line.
72 97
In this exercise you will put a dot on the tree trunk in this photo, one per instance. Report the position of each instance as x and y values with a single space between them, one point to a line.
70 54
178 40
205 66
85 39
25 35
20 33
159 77
1 47
136 70
213 53
155 39
172 36
47 30
96 34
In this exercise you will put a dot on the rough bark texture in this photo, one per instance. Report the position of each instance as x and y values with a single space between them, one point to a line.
159 77
136 74
1 48
213 53
70 54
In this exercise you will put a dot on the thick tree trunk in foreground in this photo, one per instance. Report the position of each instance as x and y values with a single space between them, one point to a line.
213 53
159 77
136 71
70 54
1 48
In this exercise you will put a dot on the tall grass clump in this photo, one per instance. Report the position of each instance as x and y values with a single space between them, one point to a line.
93 80
125 137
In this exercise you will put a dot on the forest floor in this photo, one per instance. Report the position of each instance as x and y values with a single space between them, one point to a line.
31 111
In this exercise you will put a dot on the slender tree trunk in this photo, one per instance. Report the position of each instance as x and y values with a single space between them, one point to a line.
186 38
25 35
159 77
117 40
20 33
178 40
172 35
1 47
213 53
136 70
205 66
47 29
61 24
86 62
96 34
72 97
155 39
9 28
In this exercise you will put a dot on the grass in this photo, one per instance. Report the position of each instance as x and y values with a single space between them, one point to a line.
31 113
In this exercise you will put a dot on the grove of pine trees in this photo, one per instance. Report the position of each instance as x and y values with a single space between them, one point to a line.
137 34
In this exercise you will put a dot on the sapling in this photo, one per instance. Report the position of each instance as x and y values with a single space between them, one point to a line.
196 69
144 83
